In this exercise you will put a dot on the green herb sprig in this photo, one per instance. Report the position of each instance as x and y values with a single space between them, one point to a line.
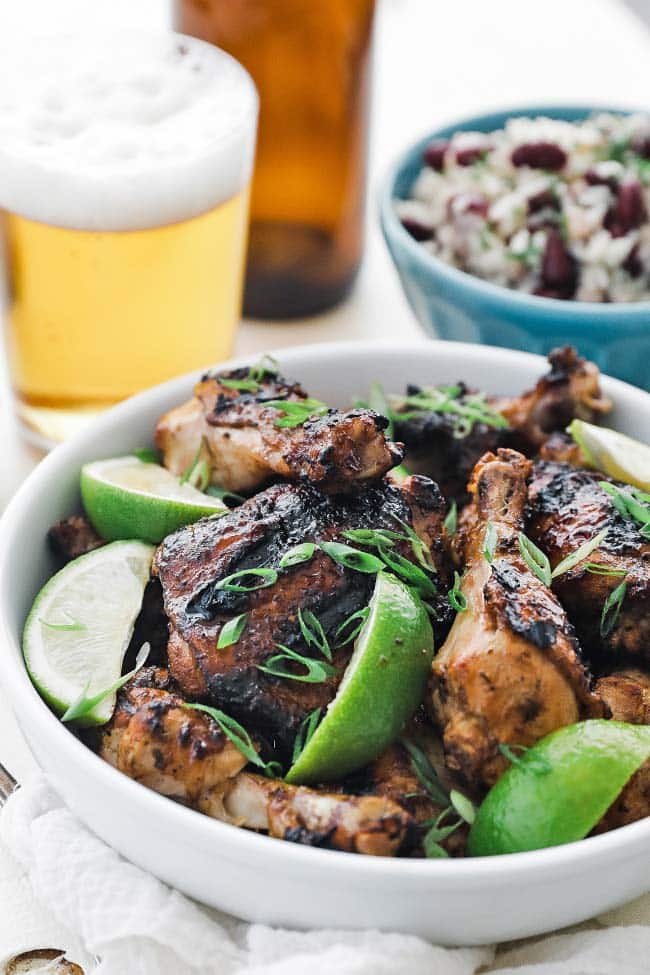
240 738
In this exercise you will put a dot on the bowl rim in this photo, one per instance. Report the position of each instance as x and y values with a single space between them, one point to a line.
231 842
580 312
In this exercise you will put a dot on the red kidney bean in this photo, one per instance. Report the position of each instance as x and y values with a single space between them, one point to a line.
593 178
417 230
434 154
629 210
539 155
545 199
641 144
471 154
632 263
558 266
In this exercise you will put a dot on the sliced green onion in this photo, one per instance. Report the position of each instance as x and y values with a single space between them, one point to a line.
437 832
536 560
83 705
463 806
352 558
306 730
612 609
450 523
457 598
538 764
490 542
313 633
240 385
316 671
598 569
297 554
198 471
67 625
409 572
266 365
341 636
232 630
296 412
268 577
580 553
426 773
224 495
420 548
238 735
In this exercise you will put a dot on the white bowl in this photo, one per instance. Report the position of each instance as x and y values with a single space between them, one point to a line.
260 879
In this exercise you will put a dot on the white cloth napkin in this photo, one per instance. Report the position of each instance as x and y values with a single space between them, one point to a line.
62 887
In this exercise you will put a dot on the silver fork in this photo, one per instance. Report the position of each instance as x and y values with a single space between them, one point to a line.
7 784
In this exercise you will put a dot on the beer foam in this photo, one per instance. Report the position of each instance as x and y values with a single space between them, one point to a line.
122 131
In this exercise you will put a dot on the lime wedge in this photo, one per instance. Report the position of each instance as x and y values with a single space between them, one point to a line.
381 688
613 453
559 789
126 498
80 625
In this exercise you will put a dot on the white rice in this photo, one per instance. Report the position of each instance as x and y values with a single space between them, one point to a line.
478 217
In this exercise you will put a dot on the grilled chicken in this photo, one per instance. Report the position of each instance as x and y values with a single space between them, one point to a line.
435 448
73 537
192 563
510 670
627 694
183 754
157 741
242 438
569 508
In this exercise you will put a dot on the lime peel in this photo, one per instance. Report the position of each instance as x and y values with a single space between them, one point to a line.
618 455
382 686
125 498
532 807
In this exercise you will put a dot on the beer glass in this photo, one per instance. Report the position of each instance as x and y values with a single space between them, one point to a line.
311 64
124 170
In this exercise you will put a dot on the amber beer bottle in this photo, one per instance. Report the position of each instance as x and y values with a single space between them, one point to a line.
311 63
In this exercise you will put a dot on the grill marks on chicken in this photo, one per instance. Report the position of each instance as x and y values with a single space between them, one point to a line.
568 508
570 389
192 562
183 754
238 436
510 670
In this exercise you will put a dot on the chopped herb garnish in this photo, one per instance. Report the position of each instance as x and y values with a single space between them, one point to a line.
352 558
437 832
579 555
536 764
197 473
630 503
467 409
378 402
267 577
238 736
306 731
457 598
412 574
316 671
265 366
84 705
241 385
347 631
66 625
426 773
598 569
296 412
147 455
297 554
420 548
224 495
313 633
490 542
612 609
232 630
529 257
450 523
463 806
536 560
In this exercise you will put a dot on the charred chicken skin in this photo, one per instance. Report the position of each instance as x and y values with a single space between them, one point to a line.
192 564
570 389
510 670
183 754
239 434
627 694
569 508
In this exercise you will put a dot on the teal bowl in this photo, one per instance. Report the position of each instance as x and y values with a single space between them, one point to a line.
451 304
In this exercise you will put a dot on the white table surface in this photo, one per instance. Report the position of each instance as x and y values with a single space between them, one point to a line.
435 61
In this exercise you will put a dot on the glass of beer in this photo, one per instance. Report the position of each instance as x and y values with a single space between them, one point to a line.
125 163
